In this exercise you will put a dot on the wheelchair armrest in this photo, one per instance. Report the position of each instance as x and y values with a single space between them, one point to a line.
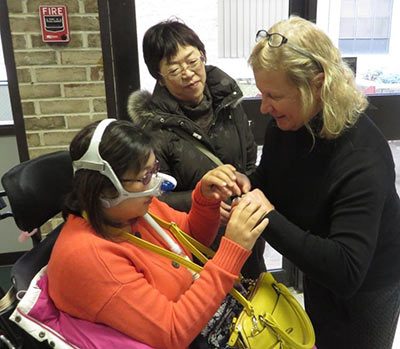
2 202
27 266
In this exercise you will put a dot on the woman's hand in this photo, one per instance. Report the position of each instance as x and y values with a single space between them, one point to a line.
256 196
220 183
246 223
244 185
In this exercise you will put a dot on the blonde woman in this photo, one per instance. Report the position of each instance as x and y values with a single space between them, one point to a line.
327 179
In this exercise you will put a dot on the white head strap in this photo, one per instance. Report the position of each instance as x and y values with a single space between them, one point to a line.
92 160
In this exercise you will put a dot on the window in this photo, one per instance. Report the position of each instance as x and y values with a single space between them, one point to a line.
226 27
239 20
365 26
367 30
5 105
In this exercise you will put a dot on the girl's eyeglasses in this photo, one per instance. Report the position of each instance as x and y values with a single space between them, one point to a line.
146 179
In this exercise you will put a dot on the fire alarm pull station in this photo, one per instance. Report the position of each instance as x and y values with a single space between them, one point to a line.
54 23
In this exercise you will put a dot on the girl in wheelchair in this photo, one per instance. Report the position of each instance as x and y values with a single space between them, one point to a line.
140 299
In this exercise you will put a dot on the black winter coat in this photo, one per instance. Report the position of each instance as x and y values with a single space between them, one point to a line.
229 137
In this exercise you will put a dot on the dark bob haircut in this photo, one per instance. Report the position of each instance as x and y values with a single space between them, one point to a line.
162 40
125 147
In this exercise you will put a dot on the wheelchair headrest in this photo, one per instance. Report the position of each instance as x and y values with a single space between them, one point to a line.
36 188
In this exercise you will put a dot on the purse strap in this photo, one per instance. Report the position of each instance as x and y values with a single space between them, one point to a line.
201 251
200 147
207 153
197 248
193 245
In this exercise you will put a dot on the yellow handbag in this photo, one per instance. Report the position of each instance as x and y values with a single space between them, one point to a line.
274 320
271 318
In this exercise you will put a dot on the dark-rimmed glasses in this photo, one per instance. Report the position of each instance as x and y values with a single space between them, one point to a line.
276 40
192 64
146 179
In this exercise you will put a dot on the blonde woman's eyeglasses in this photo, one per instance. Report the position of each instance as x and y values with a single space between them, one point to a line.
176 71
276 40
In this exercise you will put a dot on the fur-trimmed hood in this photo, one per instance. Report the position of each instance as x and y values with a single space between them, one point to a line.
144 107
139 106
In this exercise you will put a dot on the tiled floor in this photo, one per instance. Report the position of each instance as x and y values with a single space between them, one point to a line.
395 147
396 343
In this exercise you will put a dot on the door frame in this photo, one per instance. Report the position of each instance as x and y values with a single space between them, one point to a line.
120 54
18 127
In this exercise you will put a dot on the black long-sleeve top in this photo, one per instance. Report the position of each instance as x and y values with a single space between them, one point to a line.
337 212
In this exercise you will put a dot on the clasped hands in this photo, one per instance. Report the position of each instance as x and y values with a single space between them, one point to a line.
245 217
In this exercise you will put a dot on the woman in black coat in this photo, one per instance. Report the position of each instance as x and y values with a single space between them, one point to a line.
195 115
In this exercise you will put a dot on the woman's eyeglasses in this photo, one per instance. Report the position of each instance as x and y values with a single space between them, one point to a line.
276 40
146 179
176 71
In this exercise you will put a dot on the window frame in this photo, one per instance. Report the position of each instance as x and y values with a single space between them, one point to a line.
354 39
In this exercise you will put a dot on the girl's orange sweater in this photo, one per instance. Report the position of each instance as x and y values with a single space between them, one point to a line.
136 291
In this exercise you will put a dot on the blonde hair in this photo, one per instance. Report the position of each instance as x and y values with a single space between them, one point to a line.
342 103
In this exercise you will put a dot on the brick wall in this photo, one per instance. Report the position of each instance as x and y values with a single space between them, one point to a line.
61 84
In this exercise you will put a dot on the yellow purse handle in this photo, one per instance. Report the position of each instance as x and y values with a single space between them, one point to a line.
282 289
197 248
201 251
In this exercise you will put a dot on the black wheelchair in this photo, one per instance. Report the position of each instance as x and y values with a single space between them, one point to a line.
35 190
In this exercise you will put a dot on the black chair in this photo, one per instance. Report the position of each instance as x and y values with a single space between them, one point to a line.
35 190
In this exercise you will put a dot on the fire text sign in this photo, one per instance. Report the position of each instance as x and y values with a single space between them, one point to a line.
54 23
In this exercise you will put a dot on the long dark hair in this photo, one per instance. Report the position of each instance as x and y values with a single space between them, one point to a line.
162 41
125 147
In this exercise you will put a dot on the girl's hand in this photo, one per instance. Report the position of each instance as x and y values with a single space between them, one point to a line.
220 183
243 182
246 223
225 211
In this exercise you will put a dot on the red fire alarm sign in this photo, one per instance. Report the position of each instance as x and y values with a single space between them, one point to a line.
54 23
